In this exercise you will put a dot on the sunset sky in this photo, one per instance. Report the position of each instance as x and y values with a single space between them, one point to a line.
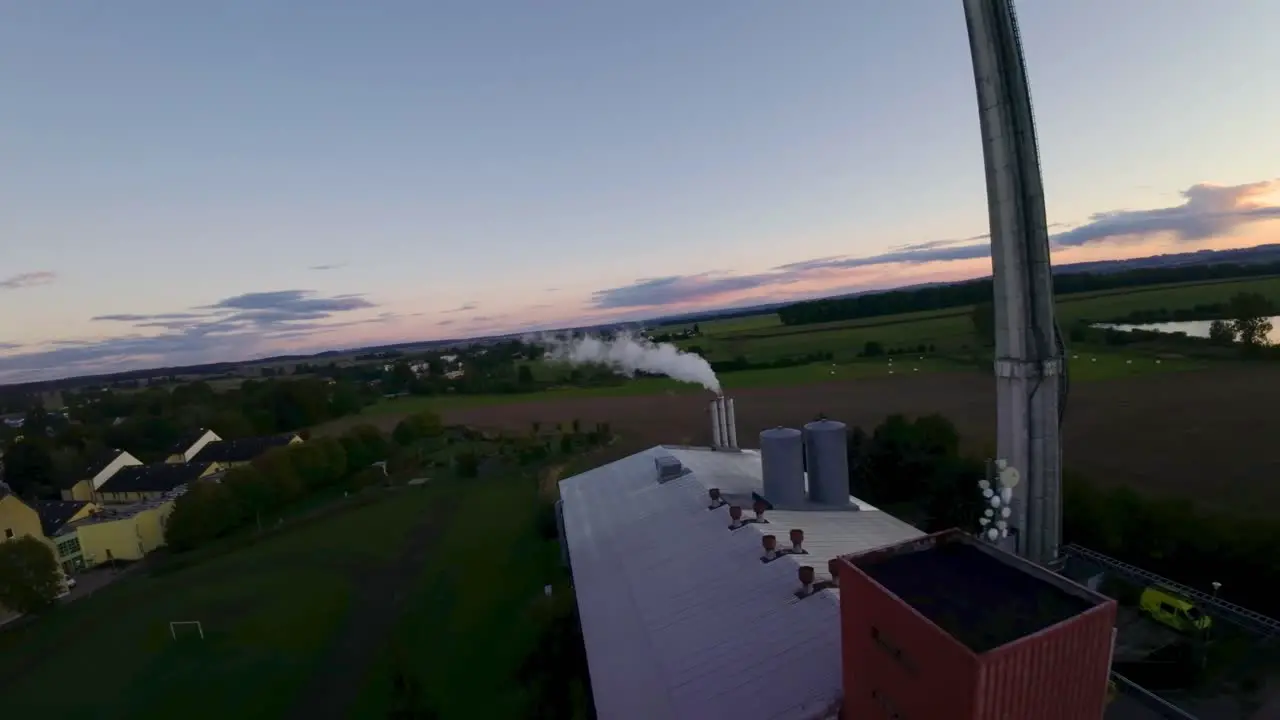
189 182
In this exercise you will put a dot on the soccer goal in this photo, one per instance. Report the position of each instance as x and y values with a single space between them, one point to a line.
173 627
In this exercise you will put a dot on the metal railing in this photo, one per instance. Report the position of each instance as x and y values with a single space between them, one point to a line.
1148 699
1235 614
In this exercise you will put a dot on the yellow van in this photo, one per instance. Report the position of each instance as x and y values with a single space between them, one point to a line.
1168 609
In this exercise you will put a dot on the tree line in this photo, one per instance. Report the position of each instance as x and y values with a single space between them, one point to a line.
940 297
55 448
915 466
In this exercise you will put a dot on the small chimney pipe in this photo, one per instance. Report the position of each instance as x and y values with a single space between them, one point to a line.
797 540
758 507
770 543
735 516
724 421
715 424
731 431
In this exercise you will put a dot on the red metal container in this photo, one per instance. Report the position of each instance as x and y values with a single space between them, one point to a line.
945 627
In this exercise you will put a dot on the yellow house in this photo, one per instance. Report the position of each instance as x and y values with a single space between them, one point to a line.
233 453
114 532
186 449
17 520
55 515
151 482
98 472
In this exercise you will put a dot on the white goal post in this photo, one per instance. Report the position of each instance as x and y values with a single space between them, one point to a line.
173 627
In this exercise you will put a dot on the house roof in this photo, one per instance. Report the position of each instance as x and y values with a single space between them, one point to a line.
56 513
112 513
102 460
186 440
680 617
242 450
156 477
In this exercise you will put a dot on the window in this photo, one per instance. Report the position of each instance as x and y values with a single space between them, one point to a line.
69 547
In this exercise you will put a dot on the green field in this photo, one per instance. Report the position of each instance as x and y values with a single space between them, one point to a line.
763 337
275 613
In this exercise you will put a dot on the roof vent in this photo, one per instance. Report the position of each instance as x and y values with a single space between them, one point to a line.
826 447
669 468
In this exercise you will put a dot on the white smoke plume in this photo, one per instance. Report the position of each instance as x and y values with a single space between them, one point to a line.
628 354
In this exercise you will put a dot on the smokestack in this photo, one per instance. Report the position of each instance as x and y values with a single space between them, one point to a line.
715 423
732 430
724 421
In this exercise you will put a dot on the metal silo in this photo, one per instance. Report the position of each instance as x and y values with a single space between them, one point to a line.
826 446
782 463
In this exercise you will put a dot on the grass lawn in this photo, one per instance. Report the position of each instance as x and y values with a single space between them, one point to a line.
474 616
272 611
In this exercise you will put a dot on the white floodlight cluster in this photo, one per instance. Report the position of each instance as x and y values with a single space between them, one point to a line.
995 519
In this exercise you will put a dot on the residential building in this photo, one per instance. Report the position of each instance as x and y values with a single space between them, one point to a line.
231 453
55 515
150 482
186 448
99 470
18 520
736 583
115 533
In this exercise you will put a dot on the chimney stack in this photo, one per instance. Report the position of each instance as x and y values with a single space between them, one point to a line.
724 426
826 447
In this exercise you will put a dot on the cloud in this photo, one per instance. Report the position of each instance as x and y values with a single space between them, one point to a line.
1208 211
445 322
28 279
334 266
234 328
471 305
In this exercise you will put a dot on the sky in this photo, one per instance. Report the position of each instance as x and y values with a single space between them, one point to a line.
193 182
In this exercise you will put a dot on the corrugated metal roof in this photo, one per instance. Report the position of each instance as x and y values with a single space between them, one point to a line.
680 617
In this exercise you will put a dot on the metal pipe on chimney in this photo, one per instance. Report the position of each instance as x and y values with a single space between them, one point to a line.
724 422
732 432
715 423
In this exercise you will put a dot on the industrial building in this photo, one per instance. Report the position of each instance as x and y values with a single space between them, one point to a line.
727 582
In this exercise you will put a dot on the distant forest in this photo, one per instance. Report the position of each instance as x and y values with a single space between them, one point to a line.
972 292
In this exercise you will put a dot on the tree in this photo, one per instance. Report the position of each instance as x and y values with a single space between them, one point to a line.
29 575
207 511
1251 318
28 466
983 318
418 426
468 464
872 349
524 375
1222 332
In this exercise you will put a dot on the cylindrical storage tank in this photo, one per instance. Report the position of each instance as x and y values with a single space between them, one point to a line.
826 446
782 464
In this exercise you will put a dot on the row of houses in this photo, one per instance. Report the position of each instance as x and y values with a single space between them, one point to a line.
120 507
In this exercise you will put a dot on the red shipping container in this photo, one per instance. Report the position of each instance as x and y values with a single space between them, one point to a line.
947 627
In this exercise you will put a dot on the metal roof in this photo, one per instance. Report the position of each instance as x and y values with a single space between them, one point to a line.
680 617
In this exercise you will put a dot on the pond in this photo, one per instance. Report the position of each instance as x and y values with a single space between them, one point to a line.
1193 328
